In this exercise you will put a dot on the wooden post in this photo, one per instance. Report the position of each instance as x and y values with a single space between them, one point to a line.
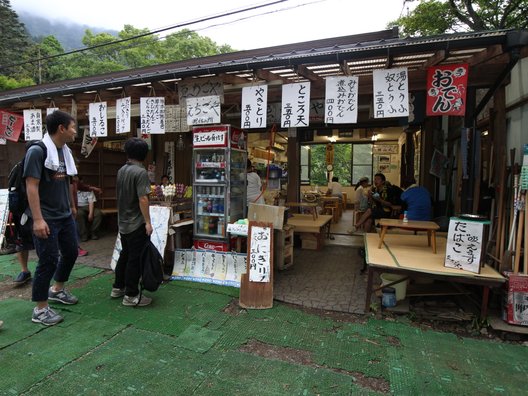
256 293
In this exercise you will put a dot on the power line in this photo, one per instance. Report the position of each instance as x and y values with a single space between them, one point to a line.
192 22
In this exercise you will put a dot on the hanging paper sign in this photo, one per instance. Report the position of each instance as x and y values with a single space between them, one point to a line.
209 137
203 110
123 115
341 100
259 253
254 106
10 125
73 111
464 244
446 89
196 87
50 110
88 143
32 125
295 105
391 93
98 119
152 112
169 161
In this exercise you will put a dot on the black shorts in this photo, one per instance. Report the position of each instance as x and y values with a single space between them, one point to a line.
379 213
24 235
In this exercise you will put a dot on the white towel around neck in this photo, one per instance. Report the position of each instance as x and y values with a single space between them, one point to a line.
52 157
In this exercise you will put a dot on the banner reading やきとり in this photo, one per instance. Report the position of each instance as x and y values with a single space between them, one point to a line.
446 90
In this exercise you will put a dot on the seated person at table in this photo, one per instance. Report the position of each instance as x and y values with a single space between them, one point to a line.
89 217
383 197
416 201
334 188
361 201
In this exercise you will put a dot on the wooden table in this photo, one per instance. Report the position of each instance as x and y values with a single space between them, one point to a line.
405 255
411 225
305 223
312 206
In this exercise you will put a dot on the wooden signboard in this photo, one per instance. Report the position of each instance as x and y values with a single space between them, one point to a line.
256 285
465 241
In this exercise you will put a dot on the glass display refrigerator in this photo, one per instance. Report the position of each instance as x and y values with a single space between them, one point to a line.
219 183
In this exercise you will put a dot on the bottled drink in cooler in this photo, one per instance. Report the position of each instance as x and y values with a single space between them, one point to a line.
220 228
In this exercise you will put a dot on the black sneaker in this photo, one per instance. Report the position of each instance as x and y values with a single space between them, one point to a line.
46 316
62 296
22 278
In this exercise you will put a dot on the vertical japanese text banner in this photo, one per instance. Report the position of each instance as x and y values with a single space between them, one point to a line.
50 110
32 124
152 111
10 125
295 105
203 110
446 90
391 93
341 100
254 106
98 119
123 115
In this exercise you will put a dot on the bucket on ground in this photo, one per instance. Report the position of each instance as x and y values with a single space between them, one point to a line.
401 287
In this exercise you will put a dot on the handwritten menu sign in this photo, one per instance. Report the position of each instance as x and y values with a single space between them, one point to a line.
123 115
446 90
152 113
210 138
98 119
209 266
464 244
176 119
295 105
341 100
254 106
203 110
260 253
32 124
391 93
195 87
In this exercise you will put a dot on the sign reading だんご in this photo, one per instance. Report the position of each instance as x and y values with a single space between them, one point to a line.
464 244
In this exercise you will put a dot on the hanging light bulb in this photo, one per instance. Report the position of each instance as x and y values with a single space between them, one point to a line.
180 144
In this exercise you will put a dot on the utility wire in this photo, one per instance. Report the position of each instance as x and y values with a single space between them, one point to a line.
192 22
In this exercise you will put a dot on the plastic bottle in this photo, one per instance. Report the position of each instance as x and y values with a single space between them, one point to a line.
212 227
405 219
220 228
200 206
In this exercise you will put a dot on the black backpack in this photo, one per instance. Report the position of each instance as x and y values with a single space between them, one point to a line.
16 186
151 267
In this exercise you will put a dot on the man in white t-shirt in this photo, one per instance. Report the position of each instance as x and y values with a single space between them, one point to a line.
254 185
89 217
334 188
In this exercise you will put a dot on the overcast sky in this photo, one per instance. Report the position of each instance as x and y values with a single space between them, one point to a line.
288 22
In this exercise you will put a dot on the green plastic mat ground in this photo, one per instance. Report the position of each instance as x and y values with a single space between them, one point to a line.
140 362
9 267
16 315
32 359
227 290
198 339
172 311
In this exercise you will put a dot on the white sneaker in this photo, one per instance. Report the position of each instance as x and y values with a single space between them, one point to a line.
116 292
136 302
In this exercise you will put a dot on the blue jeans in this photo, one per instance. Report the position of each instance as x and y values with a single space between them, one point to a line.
57 255
127 271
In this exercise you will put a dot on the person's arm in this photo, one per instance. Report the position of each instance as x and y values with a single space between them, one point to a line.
73 206
144 207
40 227
90 211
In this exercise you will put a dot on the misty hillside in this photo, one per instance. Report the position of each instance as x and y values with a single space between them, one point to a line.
69 34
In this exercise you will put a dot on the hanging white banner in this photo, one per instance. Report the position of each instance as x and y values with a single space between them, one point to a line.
203 110
123 115
254 106
295 105
88 143
98 119
341 100
391 93
152 112
32 124
50 110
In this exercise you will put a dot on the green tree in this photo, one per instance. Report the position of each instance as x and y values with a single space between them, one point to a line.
46 70
187 44
14 41
431 17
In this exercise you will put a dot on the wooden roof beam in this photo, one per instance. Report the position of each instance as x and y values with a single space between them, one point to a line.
233 79
438 57
308 74
485 55
266 75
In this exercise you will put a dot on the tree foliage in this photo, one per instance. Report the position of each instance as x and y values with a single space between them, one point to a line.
14 41
342 164
431 17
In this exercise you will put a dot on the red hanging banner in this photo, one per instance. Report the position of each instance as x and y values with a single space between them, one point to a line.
10 125
446 89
